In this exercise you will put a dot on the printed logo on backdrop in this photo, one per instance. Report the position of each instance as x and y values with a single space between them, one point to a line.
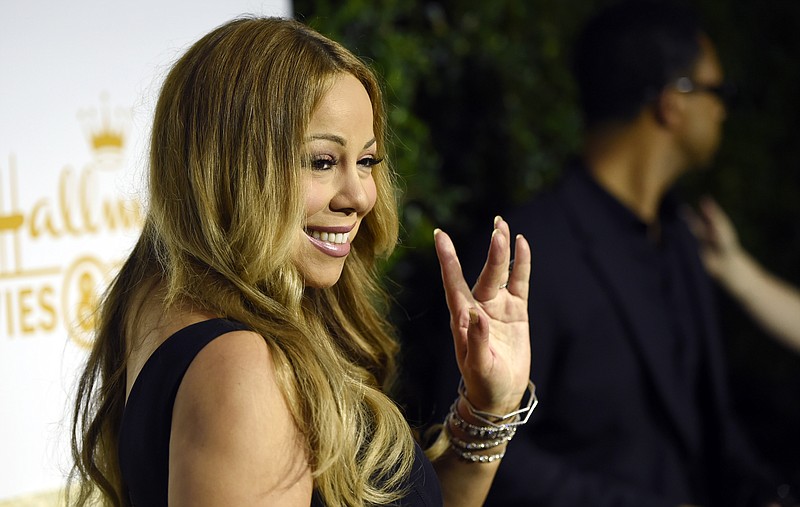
59 249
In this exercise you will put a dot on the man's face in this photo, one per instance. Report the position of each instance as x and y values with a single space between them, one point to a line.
705 110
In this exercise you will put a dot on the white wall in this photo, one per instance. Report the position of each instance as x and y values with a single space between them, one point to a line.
78 81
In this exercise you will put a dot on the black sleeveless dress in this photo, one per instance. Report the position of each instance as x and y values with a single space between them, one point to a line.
147 419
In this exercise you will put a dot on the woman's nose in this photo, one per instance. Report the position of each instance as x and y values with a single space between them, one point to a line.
352 195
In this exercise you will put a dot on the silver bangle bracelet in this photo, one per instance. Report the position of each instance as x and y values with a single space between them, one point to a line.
497 420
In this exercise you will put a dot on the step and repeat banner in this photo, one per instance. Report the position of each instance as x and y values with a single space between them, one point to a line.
79 83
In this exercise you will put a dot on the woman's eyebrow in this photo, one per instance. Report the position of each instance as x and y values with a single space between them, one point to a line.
328 137
337 139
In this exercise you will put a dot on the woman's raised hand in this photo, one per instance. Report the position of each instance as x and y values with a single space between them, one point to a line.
490 322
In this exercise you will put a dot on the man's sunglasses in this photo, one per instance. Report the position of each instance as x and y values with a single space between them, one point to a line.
724 91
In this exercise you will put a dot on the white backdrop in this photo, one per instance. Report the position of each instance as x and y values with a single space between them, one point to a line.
78 81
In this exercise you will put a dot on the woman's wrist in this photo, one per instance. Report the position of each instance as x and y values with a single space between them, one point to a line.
495 416
479 436
473 442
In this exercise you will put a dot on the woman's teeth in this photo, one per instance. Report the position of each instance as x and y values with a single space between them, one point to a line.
330 237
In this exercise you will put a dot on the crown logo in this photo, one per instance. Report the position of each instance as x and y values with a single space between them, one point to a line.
107 138
103 136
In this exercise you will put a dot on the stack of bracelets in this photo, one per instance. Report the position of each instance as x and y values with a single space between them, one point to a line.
498 429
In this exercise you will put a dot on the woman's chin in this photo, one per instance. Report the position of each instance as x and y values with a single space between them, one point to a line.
322 279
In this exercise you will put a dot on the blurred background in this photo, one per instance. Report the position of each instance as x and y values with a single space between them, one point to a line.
484 114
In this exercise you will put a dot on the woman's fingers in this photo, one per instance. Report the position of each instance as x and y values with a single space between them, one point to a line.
456 290
477 345
495 276
470 323
457 294
519 278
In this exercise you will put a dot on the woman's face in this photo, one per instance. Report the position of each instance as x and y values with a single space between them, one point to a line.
339 187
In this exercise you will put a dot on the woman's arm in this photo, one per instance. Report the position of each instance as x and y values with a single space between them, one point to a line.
492 345
233 441
772 302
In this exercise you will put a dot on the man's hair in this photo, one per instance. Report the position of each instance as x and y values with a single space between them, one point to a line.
628 53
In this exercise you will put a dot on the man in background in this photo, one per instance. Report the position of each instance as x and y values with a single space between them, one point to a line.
627 356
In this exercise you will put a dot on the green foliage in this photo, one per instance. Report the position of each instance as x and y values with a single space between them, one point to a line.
480 102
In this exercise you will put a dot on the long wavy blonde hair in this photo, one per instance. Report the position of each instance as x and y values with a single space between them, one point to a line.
225 205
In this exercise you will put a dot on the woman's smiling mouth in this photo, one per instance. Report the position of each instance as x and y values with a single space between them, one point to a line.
330 242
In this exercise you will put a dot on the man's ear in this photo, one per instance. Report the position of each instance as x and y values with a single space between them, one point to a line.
668 108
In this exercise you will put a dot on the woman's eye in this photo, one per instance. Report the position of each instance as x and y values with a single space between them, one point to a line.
322 163
370 161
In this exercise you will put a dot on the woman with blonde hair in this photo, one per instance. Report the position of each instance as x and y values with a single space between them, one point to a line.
242 354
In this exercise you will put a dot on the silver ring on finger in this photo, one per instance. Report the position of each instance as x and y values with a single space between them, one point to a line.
510 268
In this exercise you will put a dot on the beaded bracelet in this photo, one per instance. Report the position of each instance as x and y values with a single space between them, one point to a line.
478 446
482 432
477 458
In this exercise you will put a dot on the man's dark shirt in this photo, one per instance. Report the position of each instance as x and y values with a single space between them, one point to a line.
627 362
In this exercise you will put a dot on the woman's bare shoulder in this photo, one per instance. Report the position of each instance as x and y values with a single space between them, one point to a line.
233 438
